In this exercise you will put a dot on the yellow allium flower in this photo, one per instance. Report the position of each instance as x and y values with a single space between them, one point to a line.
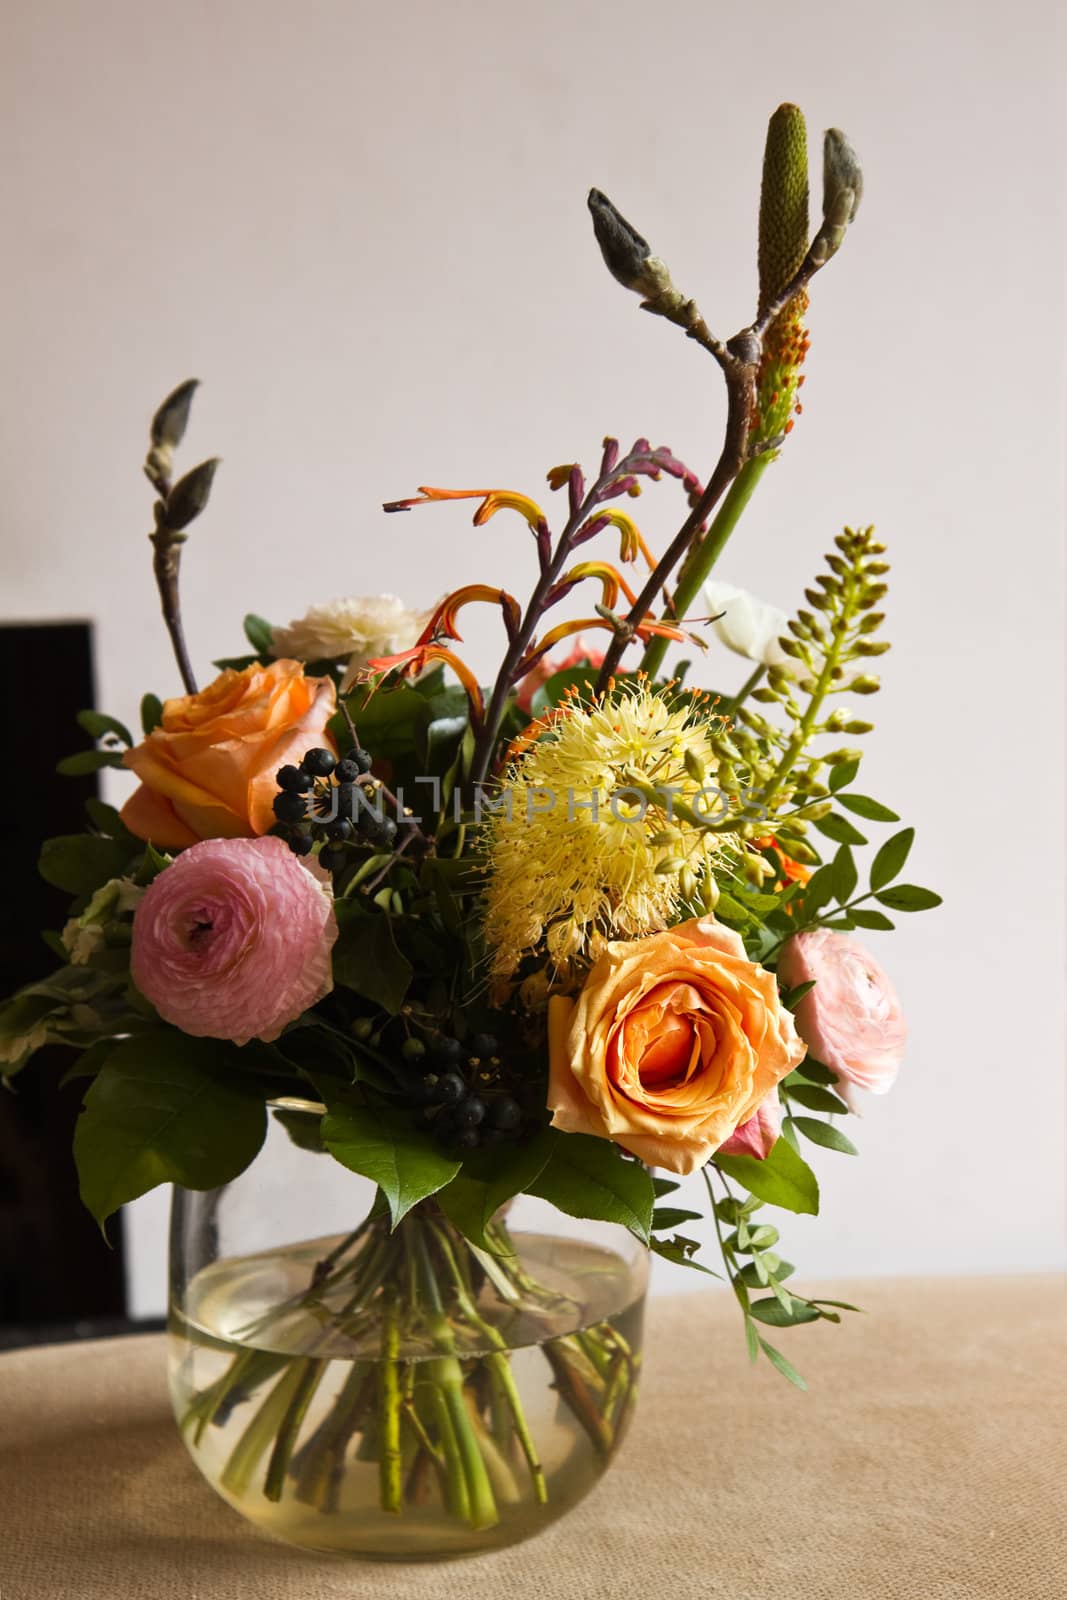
577 850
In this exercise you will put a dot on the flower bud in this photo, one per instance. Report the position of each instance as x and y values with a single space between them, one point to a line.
856 726
694 766
865 685
627 255
189 496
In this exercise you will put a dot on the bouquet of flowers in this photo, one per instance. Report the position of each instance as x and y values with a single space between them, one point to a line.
552 936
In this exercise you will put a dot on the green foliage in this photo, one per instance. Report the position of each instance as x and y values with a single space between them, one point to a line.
151 713
588 1177
82 862
782 1178
489 1179
382 1145
165 1108
366 958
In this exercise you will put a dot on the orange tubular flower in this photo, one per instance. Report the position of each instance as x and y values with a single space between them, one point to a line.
493 500
612 581
409 663
443 621
642 631
631 544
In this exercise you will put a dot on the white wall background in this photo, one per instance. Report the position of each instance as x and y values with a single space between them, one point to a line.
363 226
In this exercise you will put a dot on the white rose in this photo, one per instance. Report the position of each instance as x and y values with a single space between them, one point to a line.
355 630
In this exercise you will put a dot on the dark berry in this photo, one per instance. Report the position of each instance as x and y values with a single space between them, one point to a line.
380 831
346 771
470 1112
319 763
301 844
450 1089
360 759
505 1114
465 1139
292 779
332 857
340 829
444 1129
290 807
449 1050
483 1045
346 800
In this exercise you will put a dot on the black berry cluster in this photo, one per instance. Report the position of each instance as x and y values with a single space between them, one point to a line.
318 802
459 1093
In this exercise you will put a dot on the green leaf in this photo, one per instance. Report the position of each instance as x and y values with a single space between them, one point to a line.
792 997
781 1269
151 713
843 871
382 1144
489 1179
786 1368
751 1338
909 897
366 959
388 722
259 633
891 858
871 919
817 1099
679 1252
840 830
106 820
842 775
822 1133
165 1108
819 891
672 1217
86 761
303 1127
775 1315
664 1186
814 1071
863 806
551 692
588 1177
96 725
81 862
782 1178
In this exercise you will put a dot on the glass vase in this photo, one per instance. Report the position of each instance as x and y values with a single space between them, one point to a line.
396 1394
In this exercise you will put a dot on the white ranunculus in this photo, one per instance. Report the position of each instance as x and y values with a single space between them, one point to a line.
748 626
355 630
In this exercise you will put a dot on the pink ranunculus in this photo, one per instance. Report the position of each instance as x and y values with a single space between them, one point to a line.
233 940
851 1021
548 666
759 1135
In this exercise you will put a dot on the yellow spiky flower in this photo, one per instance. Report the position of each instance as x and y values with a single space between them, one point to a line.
589 837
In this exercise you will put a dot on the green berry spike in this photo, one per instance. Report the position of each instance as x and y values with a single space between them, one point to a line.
783 212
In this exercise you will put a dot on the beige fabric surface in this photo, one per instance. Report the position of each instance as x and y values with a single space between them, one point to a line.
927 1461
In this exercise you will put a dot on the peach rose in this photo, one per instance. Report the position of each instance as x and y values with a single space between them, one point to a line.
207 771
673 1043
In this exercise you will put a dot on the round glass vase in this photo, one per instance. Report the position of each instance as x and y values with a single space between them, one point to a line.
396 1394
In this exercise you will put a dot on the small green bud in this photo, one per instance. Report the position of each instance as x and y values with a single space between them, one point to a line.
835 758
865 686
816 811
877 568
836 564
814 598
791 648
665 836
856 726
871 647
189 496
766 695
669 866
687 883
872 622
694 766
362 1028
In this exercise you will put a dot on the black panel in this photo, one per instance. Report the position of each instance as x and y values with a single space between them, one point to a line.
55 1269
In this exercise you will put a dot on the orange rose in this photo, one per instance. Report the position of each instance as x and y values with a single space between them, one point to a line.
207 771
671 1045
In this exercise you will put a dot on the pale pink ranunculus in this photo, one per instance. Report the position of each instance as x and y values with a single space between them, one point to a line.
549 665
759 1135
851 1021
233 940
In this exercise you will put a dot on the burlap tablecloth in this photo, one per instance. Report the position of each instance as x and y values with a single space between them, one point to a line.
927 1461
